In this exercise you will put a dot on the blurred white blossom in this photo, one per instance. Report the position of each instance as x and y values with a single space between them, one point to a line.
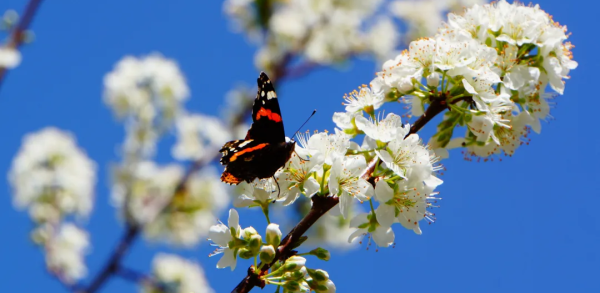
52 176
197 135
143 190
192 211
178 275
423 17
322 32
147 93
9 57
65 253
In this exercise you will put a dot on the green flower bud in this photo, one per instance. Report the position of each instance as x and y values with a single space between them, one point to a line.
273 235
294 263
321 253
246 254
267 253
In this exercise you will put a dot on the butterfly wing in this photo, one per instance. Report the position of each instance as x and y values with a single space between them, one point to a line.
267 123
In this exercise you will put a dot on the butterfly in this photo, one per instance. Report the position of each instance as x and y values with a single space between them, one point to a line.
264 149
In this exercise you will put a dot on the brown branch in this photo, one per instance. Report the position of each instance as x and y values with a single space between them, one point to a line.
436 107
16 38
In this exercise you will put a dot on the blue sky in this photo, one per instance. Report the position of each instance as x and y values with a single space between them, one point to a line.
526 224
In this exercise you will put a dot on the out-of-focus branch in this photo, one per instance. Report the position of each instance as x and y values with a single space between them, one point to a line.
16 38
137 277
113 264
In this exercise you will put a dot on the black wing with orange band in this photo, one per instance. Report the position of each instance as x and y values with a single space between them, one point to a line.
267 123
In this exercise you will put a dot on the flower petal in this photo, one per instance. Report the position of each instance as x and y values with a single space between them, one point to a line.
383 236
227 260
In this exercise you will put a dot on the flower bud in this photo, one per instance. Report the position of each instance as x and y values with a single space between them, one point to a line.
255 243
294 263
292 286
248 232
326 287
318 275
267 253
321 253
246 253
273 235
433 79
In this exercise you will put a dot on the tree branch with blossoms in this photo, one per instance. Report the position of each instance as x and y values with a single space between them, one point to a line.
483 66
491 76
17 38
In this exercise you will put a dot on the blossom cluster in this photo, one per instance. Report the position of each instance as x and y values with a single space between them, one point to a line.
490 66
291 274
321 31
326 32
147 93
54 179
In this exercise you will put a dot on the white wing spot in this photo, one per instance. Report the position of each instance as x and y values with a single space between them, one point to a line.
271 95
263 102
243 144
262 93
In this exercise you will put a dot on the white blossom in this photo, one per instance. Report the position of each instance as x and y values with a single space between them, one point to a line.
143 190
366 223
147 93
364 99
297 176
384 130
150 81
222 236
52 176
262 192
178 275
192 211
406 203
408 158
326 145
9 57
65 253
197 134
346 183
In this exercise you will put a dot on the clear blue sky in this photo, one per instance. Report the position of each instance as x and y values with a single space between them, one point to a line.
527 224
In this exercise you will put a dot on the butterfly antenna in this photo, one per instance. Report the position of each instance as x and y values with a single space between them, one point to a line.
313 114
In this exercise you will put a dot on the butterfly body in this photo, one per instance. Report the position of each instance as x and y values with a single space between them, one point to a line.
264 149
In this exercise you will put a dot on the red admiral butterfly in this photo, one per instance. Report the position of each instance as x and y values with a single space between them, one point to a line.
264 150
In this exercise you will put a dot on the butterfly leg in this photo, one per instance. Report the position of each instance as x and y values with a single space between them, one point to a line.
299 157
278 189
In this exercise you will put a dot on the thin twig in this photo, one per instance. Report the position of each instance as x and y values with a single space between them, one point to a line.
16 38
